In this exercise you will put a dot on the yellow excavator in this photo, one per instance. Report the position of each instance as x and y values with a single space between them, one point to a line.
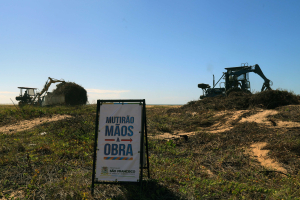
30 97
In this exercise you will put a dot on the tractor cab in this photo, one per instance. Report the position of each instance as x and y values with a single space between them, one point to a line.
237 77
26 97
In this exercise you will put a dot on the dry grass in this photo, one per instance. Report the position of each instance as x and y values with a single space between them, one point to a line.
58 165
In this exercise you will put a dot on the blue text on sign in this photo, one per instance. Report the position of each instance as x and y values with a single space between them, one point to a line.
118 149
118 131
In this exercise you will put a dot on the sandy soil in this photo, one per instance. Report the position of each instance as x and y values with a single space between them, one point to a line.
261 155
256 149
207 171
232 116
28 124
14 194
169 136
261 118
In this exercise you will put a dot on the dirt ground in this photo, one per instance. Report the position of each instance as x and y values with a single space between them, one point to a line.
229 116
263 117
17 194
228 119
257 151
28 124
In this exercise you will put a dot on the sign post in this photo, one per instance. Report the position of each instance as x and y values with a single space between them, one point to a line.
120 142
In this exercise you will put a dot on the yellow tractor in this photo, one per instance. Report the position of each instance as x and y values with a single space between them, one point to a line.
31 97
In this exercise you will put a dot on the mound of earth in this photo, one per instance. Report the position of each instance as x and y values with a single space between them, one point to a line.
274 98
241 101
74 93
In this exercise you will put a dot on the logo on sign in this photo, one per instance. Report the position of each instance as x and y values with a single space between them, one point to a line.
104 170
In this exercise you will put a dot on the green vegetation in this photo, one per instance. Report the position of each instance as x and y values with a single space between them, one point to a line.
183 165
52 166
58 165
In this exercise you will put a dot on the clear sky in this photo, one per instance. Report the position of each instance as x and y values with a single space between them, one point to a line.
158 50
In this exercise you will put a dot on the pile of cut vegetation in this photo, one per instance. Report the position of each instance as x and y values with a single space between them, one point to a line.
74 93
240 101
274 98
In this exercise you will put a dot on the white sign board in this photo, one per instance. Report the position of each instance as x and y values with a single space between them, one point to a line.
119 138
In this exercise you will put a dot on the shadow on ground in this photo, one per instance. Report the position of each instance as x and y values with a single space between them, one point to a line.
152 190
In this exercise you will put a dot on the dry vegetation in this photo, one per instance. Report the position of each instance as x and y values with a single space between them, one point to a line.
74 93
204 165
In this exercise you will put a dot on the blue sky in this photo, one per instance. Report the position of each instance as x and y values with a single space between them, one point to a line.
156 50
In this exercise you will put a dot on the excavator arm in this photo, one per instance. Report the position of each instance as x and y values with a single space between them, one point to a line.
257 70
46 87
266 85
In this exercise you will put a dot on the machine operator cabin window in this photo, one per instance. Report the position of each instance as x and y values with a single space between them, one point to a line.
31 92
